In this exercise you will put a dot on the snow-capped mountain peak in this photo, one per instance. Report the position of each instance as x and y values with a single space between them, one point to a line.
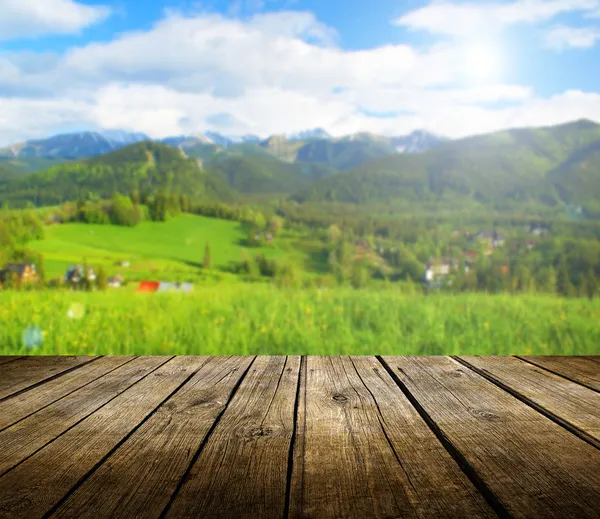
416 142
307 135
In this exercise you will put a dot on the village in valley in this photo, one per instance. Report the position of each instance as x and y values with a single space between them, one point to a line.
435 272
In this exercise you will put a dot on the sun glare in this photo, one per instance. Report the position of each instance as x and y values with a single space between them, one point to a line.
482 62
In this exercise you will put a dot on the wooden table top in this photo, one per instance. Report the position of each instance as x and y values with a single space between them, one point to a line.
438 437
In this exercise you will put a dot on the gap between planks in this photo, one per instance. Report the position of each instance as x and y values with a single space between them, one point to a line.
588 405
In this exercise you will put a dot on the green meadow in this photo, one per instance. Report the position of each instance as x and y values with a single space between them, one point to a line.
171 248
248 319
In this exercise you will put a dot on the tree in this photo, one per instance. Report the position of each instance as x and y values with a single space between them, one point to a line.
185 204
332 261
135 197
333 233
523 278
360 274
254 236
563 281
124 212
245 261
592 284
158 208
287 275
259 221
207 262
101 279
275 225
547 280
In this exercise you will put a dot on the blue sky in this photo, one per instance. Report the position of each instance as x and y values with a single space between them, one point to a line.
280 66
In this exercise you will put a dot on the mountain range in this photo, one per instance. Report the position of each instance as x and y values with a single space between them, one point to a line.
509 169
289 148
553 165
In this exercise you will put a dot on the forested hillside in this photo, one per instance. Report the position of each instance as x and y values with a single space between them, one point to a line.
145 167
513 169
549 166
265 174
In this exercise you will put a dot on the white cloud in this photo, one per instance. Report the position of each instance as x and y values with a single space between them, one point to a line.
561 37
32 18
481 19
272 73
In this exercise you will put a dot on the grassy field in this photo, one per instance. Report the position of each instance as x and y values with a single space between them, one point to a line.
255 319
175 247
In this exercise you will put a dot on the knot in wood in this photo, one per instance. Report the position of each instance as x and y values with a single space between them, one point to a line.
486 415
340 398
258 432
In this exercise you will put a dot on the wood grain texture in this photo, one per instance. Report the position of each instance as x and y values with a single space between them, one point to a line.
36 486
20 406
578 369
442 492
27 371
25 437
140 477
242 470
534 467
350 466
566 401
8 358
298 437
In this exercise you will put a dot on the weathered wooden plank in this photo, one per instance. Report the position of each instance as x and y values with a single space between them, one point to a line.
25 437
578 369
8 358
14 409
242 469
533 466
567 402
358 456
28 371
140 477
595 358
35 486
441 487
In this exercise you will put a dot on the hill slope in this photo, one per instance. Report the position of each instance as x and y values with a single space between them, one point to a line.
265 174
523 164
146 167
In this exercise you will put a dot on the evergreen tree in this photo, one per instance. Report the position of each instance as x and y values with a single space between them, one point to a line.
332 261
245 261
563 281
185 204
207 261
592 284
